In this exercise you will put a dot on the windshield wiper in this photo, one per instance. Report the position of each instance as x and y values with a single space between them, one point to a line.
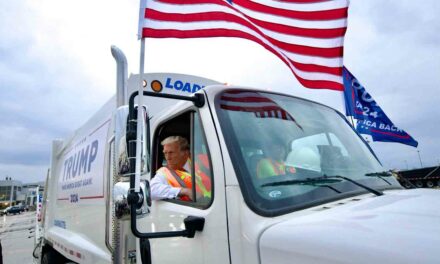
323 181
308 181
380 174
373 191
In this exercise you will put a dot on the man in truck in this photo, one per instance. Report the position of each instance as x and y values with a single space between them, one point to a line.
174 180
273 164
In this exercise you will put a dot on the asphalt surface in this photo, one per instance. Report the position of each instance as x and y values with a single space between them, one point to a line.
17 237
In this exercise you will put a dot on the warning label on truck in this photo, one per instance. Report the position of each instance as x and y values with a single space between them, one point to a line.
82 172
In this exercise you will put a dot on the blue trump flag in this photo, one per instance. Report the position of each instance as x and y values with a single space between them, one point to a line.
371 119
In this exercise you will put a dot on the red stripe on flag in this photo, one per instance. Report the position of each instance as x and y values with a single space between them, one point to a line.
247 99
307 50
167 33
260 105
302 15
390 134
190 2
220 16
323 41
302 32
264 109
317 68
305 1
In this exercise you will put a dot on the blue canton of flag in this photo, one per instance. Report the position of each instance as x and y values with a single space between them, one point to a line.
371 119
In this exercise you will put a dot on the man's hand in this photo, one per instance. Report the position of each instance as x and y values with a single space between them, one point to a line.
185 192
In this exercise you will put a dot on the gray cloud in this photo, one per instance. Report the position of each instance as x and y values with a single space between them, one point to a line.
25 157
399 64
45 94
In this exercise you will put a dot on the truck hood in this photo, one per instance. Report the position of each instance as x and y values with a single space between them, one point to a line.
399 227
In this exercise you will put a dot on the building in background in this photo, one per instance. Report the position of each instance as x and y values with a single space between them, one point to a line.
31 192
14 192
10 192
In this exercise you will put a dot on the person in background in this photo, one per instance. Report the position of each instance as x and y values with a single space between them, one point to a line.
273 164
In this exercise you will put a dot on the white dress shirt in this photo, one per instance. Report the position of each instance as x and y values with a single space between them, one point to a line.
160 189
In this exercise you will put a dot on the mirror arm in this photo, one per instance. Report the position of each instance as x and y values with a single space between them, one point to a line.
192 224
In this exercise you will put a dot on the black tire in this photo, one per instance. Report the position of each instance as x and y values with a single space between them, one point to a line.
52 257
419 184
430 184
407 185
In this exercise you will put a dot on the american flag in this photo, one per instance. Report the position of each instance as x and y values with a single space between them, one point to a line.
253 102
307 35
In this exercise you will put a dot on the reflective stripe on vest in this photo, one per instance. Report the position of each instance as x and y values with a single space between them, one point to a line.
278 168
186 178
203 181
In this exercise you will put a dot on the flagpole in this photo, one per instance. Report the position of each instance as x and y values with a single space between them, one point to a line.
345 103
139 118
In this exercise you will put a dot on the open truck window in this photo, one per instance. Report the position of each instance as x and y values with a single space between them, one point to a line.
188 126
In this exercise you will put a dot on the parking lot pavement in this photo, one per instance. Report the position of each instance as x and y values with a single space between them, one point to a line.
17 237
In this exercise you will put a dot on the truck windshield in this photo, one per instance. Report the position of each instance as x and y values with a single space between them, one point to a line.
281 145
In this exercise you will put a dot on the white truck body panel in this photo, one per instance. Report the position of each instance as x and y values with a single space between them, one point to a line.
76 195
75 246
394 228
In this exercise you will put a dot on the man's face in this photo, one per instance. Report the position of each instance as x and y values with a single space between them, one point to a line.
174 156
277 152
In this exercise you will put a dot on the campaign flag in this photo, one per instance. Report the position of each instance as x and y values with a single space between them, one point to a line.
371 119
307 35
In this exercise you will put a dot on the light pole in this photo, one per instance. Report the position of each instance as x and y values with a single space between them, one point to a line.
421 165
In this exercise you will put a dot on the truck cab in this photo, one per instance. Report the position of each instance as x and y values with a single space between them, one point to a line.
336 184
326 198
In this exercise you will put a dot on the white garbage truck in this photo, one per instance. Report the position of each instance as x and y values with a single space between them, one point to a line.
329 200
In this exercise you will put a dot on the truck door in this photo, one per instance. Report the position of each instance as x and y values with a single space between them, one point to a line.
210 245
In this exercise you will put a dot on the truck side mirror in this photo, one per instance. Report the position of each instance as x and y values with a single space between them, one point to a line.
193 224
122 187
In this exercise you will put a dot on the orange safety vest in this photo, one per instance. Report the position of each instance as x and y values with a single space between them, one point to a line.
278 168
202 168
201 188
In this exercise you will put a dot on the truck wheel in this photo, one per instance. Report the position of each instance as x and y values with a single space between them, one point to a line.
51 257
419 184
407 185
429 184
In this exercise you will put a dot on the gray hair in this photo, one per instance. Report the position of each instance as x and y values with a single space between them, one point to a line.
183 143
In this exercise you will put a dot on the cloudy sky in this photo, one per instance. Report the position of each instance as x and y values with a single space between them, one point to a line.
56 70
